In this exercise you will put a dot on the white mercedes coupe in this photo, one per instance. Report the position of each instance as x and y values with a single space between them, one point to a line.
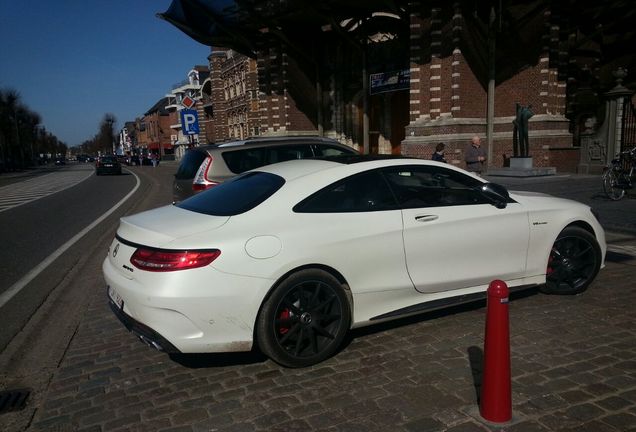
291 256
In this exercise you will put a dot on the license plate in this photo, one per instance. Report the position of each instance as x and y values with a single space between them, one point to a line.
108 165
116 298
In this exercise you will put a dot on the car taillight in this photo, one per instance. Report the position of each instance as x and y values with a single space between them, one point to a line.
201 180
165 261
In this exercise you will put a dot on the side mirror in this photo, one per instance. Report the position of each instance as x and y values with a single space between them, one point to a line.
496 193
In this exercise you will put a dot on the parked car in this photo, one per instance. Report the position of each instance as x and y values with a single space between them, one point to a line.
134 160
206 166
107 165
123 159
291 256
60 161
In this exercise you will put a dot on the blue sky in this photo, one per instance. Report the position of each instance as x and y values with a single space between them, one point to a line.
72 61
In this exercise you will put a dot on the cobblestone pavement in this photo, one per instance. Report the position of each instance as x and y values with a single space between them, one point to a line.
573 369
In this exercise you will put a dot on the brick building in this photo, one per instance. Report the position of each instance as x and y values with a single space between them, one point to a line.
154 130
232 92
399 77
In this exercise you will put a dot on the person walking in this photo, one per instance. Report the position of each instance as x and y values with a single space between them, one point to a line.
475 156
439 153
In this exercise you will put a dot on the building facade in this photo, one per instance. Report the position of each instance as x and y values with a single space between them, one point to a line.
400 77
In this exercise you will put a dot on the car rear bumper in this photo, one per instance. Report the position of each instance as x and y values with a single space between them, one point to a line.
182 316
143 332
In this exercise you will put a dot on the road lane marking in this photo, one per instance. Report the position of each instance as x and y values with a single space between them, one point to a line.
19 285
622 249
27 191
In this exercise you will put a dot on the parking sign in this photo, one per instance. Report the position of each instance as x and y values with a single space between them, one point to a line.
189 122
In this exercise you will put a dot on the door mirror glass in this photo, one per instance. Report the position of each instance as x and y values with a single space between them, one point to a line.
496 193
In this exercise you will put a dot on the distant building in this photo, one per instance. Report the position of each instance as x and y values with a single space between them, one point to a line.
153 133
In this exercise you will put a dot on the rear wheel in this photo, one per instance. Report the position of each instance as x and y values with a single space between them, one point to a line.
574 262
305 319
611 185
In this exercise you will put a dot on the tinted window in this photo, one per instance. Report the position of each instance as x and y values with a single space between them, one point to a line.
285 153
236 196
360 193
108 159
190 164
419 186
239 161
325 150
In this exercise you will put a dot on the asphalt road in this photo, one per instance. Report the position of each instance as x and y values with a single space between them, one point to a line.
40 320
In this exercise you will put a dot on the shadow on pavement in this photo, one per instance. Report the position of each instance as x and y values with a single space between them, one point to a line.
201 361
476 359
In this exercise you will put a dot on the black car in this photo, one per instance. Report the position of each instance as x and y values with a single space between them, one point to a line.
107 165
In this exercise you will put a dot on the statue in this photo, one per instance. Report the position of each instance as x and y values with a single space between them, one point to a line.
521 125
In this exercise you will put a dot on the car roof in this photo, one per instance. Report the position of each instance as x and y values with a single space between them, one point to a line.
297 168
272 140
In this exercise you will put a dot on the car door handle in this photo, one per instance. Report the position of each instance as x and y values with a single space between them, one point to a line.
426 218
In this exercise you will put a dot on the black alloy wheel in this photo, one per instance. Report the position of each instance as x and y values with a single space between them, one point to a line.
574 262
305 319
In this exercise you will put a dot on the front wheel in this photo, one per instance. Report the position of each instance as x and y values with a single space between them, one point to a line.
574 262
305 319
610 185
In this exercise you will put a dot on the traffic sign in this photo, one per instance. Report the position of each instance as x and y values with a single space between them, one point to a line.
189 122
188 102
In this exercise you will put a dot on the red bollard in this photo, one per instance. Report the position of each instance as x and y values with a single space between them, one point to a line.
496 388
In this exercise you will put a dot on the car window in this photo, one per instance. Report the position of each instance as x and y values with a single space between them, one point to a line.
288 152
325 150
108 159
428 186
235 196
239 161
359 193
189 165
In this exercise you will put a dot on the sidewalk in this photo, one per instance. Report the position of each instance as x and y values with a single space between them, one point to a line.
573 369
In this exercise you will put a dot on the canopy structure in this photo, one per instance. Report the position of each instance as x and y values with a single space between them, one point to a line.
603 30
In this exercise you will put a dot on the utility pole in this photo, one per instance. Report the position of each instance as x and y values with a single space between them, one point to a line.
491 85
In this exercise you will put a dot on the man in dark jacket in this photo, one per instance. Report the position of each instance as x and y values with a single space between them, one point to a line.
475 156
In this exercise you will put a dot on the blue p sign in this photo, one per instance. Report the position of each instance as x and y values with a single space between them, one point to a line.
189 122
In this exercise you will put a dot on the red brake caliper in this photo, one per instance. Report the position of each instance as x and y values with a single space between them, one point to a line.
550 259
283 316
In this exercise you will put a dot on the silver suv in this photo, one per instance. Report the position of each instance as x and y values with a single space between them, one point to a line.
206 166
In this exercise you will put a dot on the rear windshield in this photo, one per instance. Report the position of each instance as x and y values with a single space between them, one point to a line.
190 164
108 159
236 196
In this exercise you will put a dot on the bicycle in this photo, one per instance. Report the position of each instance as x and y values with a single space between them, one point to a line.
617 177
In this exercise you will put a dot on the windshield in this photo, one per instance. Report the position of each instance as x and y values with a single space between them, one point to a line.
236 196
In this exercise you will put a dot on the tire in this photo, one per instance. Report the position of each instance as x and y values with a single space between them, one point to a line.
574 262
305 319
610 185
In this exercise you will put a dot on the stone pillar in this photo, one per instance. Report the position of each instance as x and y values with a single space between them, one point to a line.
600 146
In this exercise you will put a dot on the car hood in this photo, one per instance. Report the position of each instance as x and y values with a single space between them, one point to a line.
159 227
538 200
